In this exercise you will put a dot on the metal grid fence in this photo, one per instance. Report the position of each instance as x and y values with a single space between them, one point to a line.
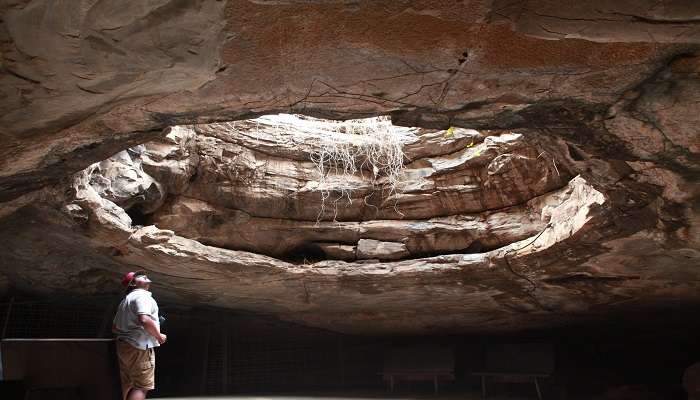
42 319
224 354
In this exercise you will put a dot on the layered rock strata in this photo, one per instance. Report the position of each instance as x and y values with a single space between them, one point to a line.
607 89
82 82
546 258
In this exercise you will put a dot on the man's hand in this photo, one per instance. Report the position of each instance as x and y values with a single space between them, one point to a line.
150 326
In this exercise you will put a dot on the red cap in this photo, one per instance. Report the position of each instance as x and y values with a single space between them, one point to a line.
129 277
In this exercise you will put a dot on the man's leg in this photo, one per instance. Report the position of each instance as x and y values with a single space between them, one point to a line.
143 375
126 356
137 394
137 369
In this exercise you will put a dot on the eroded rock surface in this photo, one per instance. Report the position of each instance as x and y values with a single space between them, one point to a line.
82 82
563 248
604 20
575 199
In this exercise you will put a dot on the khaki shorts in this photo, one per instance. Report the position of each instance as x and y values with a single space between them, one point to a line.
136 367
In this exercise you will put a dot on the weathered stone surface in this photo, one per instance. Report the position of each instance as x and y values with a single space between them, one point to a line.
278 221
474 292
172 160
121 180
469 180
658 120
574 254
609 143
610 21
80 83
374 249
234 229
337 251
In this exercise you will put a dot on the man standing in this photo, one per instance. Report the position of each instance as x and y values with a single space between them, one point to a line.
137 327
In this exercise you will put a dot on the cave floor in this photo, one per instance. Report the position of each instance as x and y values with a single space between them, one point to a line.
476 395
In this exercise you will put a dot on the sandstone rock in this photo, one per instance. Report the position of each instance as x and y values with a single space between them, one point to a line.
337 251
198 214
374 249
574 200
603 20
506 269
70 102
236 177
473 291
656 121
76 212
234 229
172 160
121 180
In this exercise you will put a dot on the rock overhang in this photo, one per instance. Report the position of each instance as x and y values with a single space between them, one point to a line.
228 215
618 100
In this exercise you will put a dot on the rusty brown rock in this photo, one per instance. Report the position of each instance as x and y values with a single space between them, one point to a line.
604 92
69 100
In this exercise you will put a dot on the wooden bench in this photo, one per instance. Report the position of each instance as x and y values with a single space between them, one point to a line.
434 376
418 363
522 363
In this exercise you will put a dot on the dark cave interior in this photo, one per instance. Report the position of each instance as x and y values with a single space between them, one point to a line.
215 352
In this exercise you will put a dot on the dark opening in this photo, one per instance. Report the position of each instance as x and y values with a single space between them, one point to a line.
305 254
476 247
575 153
138 217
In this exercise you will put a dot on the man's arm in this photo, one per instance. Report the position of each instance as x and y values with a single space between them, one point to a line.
150 326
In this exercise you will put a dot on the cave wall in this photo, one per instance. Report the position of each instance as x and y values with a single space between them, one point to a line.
83 80
609 87
499 232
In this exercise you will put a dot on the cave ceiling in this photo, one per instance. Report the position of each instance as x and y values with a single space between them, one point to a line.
548 170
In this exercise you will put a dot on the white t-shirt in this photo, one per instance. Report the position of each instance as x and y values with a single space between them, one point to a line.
126 321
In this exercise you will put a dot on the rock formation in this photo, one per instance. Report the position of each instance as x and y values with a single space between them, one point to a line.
491 229
550 171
